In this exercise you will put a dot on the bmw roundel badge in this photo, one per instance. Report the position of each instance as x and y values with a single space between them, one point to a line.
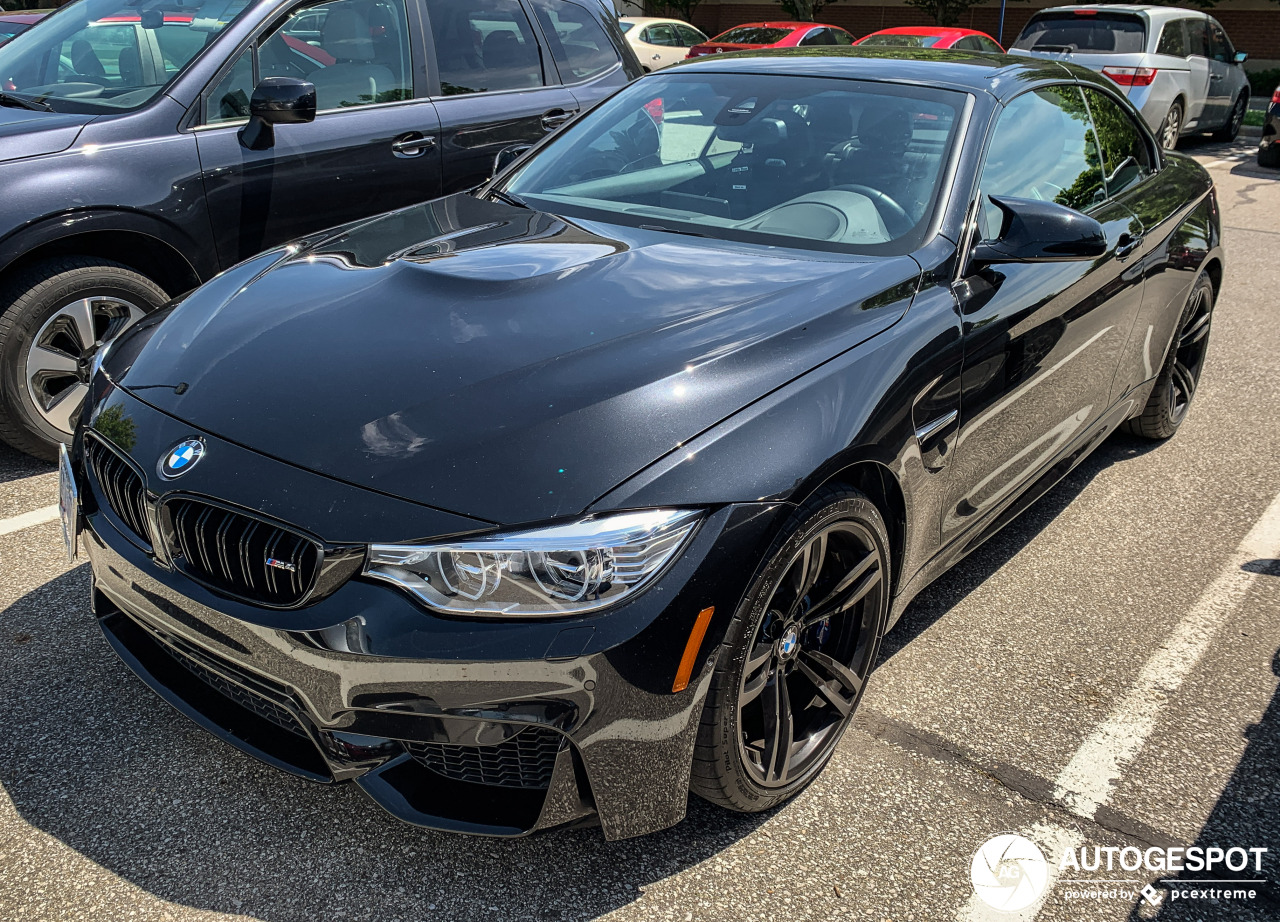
181 458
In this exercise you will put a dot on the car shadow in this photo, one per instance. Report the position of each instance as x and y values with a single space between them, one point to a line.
1246 815
954 586
14 465
93 759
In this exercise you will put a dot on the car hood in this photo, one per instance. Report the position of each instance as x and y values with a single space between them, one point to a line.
27 133
496 361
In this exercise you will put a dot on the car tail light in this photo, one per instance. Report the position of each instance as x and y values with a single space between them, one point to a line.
1275 97
1131 76
1086 12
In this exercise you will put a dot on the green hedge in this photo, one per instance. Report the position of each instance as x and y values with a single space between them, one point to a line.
1264 82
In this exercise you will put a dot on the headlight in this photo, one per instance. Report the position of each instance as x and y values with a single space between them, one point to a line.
562 570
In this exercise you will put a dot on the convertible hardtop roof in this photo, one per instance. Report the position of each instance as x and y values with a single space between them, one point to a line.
1001 75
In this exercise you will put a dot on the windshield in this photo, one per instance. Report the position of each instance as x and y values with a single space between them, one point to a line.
902 41
625 26
110 55
790 161
1095 33
752 35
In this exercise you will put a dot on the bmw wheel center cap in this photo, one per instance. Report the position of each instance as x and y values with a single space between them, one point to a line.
790 641
181 458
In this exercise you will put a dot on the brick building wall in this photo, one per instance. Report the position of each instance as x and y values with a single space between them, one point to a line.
1254 25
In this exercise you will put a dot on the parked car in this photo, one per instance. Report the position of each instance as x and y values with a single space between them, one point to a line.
562 495
1177 66
932 37
659 42
756 35
146 151
12 24
1269 146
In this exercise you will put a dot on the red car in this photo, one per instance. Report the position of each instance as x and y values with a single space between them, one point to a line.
932 37
754 35
13 23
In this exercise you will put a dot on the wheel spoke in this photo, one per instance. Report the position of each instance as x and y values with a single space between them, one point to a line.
1197 330
1183 381
815 553
756 672
66 409
845 677
824 686
52 361
864 577
779 730
81 315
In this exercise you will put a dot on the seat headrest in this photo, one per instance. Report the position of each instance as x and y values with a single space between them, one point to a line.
885 128
345 35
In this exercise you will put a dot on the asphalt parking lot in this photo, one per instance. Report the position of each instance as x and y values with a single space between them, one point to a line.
1103 673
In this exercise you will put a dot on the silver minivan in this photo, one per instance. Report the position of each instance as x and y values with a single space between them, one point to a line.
1177 66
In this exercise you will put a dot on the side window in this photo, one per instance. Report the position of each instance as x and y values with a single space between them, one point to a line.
1198 38
356 52
986 44
818 37
841 37
1126 159
578 43
662 34
968 43
1173 39
689 36
229 99
484 46
1042 148
1222 50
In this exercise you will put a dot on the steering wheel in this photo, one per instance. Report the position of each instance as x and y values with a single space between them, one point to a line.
895 217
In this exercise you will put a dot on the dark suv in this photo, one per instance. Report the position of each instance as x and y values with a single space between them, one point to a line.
145 145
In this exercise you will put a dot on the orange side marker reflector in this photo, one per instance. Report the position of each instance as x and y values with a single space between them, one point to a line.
691 649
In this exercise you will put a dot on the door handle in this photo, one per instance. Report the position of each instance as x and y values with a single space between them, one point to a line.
657 57
555 118
412 145
1126 245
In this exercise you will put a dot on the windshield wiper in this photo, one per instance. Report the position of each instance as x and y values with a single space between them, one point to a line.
673 230
21 102
508 198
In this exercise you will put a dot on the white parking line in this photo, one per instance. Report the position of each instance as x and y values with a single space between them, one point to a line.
1087 782
29 520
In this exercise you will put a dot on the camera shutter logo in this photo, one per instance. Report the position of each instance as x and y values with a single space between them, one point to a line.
1009 873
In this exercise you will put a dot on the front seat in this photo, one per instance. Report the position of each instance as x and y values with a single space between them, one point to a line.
877 161
85 60
130 67
354 79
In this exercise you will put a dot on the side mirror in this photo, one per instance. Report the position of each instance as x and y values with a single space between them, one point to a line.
277 101
1242 56
1037 231
508 156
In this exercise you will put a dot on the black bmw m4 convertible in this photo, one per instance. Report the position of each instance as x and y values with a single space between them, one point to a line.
552 501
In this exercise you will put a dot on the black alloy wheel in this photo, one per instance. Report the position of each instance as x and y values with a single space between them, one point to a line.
797 655
1231 129
1176 385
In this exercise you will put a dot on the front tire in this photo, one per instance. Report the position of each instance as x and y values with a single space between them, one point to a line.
1231 129
1171 127
54 316
1269 156
1180 376
795 660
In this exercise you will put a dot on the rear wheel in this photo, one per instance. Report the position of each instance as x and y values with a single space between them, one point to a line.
1171 128
796 656
1231 129
54 316
1176 385
1269 155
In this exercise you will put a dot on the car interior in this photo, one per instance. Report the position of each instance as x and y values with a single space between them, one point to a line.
828 165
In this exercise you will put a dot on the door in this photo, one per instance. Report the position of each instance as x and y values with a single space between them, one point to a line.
373 146
1222 71
1041 340
588 62
662 46
497 88
1200 109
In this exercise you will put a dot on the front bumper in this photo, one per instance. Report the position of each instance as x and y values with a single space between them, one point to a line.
496 728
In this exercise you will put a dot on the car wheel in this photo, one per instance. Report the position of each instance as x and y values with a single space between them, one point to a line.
1176 385
796 657
1269 155
54 316
1231 129
1171 128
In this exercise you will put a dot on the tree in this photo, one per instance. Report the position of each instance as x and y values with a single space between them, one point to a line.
804 10
676 9
944 12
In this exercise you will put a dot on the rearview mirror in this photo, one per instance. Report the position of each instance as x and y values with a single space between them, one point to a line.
1242 56
277 101
1037 231
508 156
